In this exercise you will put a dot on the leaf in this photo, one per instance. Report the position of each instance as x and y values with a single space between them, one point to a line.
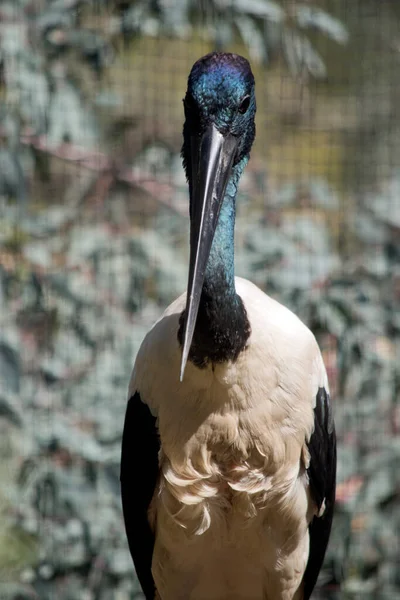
133 19
301 271
252 38
323 195
8 412
385 205
332 318
263 9
367 229
70 120
307 231
175 16
310 16
10 368
300 55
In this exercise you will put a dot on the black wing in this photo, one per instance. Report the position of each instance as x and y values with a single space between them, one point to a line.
139 473
322 478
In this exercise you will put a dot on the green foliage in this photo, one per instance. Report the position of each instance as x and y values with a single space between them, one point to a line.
268 29
17 550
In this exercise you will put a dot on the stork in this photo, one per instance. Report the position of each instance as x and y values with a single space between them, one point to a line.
228 461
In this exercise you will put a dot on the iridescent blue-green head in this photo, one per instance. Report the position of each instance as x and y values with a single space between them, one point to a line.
220 93
218 133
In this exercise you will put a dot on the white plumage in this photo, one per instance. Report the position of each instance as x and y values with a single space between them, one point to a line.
233 485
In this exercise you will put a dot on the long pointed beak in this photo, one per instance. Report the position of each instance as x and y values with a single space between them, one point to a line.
212 158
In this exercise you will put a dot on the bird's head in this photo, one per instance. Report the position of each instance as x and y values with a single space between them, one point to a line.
218 134
220 96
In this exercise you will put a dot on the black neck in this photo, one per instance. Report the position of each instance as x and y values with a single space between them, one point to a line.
222 328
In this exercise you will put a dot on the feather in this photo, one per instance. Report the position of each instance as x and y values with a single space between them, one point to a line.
139 473
322 481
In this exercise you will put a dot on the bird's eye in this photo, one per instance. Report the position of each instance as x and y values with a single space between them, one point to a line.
189 102
244 105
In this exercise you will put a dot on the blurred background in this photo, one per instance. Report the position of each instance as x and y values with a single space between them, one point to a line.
94 245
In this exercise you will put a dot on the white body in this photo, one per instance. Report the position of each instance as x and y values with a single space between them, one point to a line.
232 508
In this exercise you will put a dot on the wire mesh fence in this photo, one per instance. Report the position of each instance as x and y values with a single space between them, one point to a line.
94 246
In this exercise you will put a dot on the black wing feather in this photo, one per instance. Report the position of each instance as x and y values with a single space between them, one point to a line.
322 478
139 473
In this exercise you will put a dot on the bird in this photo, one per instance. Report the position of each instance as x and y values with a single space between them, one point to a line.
228 461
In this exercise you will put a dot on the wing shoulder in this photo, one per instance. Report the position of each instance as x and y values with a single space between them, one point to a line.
322 482
159 350
139 473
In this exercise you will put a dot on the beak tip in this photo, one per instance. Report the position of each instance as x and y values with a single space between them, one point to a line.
182 373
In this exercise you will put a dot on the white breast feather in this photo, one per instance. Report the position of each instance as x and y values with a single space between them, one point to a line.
234 453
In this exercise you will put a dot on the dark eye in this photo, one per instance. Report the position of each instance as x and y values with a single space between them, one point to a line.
189 102
244 105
